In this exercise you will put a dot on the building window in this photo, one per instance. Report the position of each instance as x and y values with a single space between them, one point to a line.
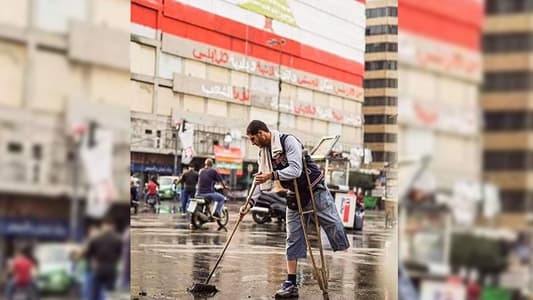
381 65
380 137
515 200
383 156
381 83
508 6
382 12
507 160
508 81
148 131
14 147
381 29
37 152
382 47
507 42
380 101
507 120
380 119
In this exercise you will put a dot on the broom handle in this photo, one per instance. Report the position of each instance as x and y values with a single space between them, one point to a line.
232 233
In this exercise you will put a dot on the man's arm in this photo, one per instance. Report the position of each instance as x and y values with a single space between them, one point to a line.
218 178
293 151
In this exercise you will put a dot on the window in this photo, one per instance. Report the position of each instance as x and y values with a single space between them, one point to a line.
381 83
380 101
507 42
381 65
508 120
514 200
37 152
14 147
382 12
382 47
148 131
508 81
380 119
380 137
384 156
507 160
508 6
381 29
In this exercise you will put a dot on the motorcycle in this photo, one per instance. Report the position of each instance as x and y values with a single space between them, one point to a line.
269 205
202 210
151 200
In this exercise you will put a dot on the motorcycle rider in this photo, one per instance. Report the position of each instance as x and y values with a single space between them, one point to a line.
152 189
207 177
22 267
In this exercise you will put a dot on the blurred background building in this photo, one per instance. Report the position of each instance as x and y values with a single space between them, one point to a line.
64 122
463 193
506 104
296 65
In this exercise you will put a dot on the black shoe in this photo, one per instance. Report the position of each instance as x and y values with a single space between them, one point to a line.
216 216
288 290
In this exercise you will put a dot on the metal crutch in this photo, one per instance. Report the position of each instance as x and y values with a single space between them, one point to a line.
321 273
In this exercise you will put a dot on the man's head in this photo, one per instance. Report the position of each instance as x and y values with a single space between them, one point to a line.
258 133
208 163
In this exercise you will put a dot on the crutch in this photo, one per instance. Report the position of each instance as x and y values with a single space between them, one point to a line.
321 273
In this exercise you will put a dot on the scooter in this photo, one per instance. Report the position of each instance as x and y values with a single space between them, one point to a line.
202 210
151 200
269 205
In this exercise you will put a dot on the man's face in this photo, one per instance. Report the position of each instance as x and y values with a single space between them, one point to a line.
261 139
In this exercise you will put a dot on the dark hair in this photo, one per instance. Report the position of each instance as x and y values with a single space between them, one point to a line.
255 126
154 178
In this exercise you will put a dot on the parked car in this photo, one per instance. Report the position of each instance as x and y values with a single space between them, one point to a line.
165 187
56 274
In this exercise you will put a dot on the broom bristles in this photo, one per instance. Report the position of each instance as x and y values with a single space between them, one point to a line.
202 288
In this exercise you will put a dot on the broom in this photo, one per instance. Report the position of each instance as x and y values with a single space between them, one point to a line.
206 288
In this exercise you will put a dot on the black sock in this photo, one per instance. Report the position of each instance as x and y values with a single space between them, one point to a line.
292 278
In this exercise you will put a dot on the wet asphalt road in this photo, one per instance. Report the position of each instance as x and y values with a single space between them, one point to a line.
167 258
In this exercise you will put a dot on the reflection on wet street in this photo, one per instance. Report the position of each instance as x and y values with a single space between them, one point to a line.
167 258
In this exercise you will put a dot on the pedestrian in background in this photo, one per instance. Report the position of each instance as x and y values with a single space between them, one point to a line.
189 180
103 254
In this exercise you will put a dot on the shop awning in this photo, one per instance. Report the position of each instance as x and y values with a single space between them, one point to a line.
227 159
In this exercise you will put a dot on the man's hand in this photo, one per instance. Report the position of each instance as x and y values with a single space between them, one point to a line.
263 177
245 209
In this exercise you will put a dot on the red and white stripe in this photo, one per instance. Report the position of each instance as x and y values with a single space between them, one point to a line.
334 51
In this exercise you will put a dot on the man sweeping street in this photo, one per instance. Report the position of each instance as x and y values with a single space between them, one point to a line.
280 158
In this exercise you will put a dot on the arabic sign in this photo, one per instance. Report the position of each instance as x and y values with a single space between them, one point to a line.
439 56
232 60
211 89
459 121
29 227
228 159
242 95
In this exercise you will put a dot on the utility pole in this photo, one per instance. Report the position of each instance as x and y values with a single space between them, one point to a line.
280 44
177 130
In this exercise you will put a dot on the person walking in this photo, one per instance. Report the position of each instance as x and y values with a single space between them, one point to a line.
189 180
